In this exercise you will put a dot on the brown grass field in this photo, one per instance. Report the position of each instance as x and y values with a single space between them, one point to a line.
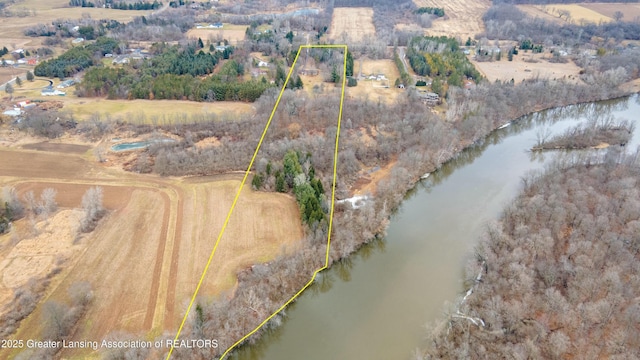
579 13
233 33
631 11
130 110
519 69
533 11
463 18
373 89
146 256
355 22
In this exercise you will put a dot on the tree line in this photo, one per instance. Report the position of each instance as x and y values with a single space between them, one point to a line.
439 12
122 5
129 84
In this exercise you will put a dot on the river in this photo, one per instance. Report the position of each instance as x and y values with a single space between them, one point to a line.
375 304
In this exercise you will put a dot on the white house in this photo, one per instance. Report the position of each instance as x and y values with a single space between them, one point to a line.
262 63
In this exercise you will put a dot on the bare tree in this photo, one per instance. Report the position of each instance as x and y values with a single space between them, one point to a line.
48 202
55 319
9 90
30 200
80 293
93 209
618 15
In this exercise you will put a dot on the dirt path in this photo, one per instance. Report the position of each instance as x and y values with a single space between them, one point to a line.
149 318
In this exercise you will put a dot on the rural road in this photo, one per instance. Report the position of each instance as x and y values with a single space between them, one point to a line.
23 77
403 57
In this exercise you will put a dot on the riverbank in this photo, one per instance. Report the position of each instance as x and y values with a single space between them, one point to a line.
365 222
558 273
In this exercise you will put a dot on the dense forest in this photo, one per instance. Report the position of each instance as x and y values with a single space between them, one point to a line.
76 59
175 73
560 273
129 84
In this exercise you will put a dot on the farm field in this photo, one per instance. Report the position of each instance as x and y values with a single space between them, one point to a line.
577 13
230 32
533 11
462 18
356 23
145 257
631 11
519 69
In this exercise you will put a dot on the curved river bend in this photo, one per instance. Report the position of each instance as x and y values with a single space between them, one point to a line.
375 304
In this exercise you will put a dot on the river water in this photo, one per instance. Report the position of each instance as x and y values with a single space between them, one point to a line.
375 304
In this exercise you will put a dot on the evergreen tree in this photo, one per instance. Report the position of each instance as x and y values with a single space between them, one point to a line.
335 76
349 64
299 83
18 81
280 75
200 43
280 183
30 76
257 181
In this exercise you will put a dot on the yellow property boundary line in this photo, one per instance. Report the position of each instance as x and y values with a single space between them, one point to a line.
244 179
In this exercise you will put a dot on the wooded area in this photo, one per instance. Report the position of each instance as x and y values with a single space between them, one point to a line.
559 272
76 59
440 58
173 74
